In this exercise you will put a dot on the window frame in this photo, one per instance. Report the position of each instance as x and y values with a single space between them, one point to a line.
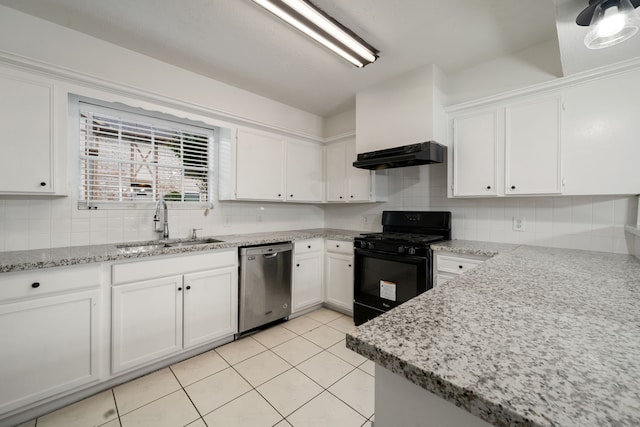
78 105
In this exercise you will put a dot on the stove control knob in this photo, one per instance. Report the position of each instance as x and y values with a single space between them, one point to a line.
412 251
371 245
363 244
401 249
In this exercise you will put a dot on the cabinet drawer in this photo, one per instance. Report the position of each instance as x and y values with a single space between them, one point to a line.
340 246
304 246
46 281
169 266
455 265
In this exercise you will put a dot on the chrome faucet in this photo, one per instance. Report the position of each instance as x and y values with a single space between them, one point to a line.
165 219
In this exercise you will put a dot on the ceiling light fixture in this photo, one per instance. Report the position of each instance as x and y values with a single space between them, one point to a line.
610 22
305 17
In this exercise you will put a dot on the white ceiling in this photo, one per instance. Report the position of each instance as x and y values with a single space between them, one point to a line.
236 42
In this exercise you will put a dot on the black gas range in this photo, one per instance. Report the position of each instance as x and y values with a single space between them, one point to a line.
396 265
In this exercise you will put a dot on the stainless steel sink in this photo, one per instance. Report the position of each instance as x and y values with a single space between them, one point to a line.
191 242
133 247
153 246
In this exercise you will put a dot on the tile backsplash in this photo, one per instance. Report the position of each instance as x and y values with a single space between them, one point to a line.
35 224
577 222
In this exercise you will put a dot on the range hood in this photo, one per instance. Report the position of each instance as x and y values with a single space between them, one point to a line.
422 153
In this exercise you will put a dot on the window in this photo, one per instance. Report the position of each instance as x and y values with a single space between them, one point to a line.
134 158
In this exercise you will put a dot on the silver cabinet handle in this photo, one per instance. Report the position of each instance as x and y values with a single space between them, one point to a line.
270 255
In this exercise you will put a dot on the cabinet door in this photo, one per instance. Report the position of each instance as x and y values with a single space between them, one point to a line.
475 150
533 147
210 305
259 166
26 127
336 169
49 345
307 280
339 280
146 321
304 172
359 180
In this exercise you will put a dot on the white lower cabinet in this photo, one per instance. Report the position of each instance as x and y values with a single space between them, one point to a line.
156 318
449 265
339 275
209 301
308 266
146 322
49 346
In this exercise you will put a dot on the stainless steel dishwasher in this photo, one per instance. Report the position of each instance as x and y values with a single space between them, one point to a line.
265 285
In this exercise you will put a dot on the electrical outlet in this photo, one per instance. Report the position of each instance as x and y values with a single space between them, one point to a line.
519 223
365 219
227 221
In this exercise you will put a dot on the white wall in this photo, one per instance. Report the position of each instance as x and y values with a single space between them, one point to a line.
340 124
533 65
33 38
43 223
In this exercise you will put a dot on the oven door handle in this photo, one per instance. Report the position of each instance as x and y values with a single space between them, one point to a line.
391 256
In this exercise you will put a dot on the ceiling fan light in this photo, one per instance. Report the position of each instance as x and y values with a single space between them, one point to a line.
613 22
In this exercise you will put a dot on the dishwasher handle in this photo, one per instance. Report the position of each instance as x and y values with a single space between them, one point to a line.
273 255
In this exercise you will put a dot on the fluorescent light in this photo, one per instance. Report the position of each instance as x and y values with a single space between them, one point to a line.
303 16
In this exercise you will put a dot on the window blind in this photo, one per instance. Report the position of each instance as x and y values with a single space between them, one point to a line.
131 158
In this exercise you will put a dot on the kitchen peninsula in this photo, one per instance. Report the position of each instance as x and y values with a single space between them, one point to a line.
534 336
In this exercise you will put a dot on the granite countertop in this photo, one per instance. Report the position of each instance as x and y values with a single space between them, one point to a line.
534 336
473 247
56 257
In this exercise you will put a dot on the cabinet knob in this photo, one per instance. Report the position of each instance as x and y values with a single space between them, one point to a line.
459 266
349 265
337 246
351 196
308 246
35 285
43 184
341 197
188 287
279 194
297 265
290 195
513 187
488 187
179 289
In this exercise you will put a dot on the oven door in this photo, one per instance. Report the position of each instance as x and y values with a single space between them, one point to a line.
384 280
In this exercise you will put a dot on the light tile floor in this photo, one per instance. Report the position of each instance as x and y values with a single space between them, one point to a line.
298 373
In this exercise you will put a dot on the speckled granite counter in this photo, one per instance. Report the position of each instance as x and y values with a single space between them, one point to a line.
473 247
534 336
56 257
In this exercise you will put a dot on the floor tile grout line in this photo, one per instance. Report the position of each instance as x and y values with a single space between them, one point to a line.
188 397
358 412
115 403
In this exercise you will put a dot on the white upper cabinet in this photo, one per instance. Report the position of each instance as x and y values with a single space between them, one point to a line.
304 172
265 166
475 150
344 182
27 135
512 149
532 147
259 166
601 136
